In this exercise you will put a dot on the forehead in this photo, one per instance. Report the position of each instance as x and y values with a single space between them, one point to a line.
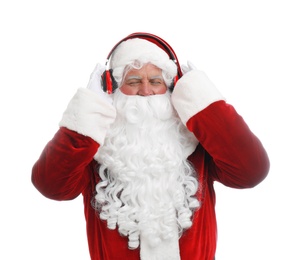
146 69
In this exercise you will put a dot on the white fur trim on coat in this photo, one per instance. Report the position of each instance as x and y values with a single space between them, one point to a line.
167 249
192 93
88 114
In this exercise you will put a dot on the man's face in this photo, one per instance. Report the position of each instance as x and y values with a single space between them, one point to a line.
144 82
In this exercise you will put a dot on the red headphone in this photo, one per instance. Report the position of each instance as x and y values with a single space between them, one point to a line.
108 82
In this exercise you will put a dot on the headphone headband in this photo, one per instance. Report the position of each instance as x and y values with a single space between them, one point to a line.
149 37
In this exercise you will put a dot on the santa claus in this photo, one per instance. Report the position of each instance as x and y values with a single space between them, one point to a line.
146 156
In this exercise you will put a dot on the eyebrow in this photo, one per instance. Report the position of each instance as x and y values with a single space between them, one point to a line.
156 77
139 77
133 77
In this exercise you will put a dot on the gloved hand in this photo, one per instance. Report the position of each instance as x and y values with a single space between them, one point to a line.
188 67
95 83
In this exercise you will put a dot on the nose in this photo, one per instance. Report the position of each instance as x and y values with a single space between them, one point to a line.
145 89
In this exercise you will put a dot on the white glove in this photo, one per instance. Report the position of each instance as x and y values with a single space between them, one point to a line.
188 67
95 83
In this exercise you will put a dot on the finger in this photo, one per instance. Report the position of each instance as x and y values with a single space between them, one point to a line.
191 65
184 68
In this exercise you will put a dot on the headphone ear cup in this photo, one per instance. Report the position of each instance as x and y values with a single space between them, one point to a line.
113 81
104 81
171 87
109 84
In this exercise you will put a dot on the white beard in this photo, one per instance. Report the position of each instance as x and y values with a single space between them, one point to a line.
147 186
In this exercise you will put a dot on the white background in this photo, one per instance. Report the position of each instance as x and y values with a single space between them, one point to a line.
249 49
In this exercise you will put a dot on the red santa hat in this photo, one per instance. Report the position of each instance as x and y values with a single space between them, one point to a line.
143 51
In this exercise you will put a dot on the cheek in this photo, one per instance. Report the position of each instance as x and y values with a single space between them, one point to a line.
161 90
128 90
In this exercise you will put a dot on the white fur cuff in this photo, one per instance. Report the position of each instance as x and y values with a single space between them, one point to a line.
88 114
192 93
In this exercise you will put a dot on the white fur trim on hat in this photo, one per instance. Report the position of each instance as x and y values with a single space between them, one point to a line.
194 92
143 51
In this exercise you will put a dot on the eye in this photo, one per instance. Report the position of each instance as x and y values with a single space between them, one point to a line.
133 82
156 81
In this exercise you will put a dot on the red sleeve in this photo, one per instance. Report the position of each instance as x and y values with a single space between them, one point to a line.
239 159
61 171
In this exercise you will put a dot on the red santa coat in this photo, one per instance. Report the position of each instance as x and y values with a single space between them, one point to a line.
228 152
